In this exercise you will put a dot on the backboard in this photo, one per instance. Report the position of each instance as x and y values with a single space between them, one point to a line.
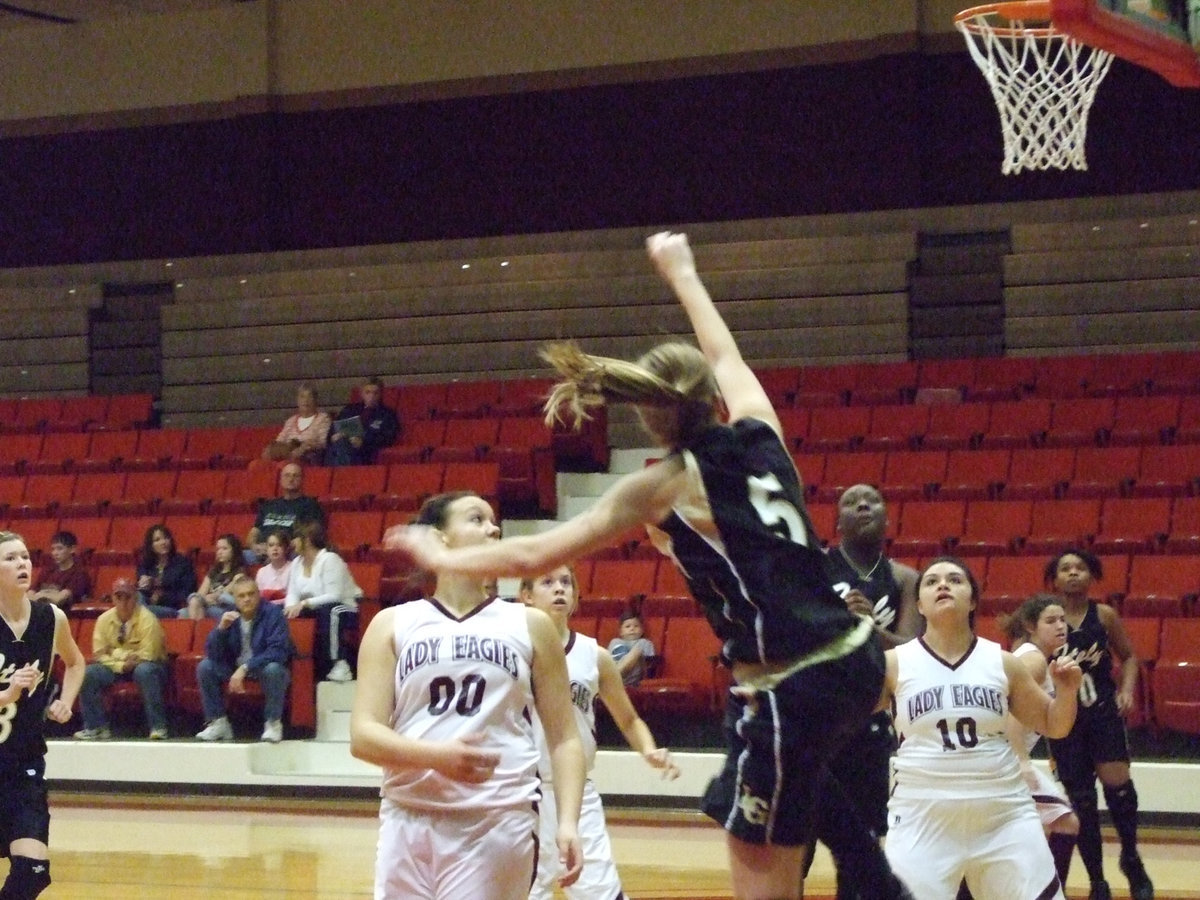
1154 34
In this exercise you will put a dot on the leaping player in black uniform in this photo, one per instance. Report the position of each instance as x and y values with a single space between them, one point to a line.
726 505
31 634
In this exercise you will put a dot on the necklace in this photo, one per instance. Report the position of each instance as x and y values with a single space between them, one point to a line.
865 576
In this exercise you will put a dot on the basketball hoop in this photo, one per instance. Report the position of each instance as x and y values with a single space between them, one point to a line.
1043 82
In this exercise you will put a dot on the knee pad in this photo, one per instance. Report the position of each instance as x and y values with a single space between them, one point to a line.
1122 799
1083 798
27 877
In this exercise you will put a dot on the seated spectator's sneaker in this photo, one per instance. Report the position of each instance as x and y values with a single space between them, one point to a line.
93 734
217 730
1140 886
273 731
340 672
1100 891
159 734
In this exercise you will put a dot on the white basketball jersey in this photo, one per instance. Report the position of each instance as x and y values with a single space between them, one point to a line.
950 722
1032 737
583 670
456 677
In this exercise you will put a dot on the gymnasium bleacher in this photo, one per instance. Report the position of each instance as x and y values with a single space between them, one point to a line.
1086 432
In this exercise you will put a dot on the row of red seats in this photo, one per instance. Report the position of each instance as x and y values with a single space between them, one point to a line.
185 648
1123 421
454 440
170 492
134 450
1032 422
1137 584
1022 473
75 413
115 540
985 378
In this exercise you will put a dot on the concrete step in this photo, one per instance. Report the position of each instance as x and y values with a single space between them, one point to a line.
334 702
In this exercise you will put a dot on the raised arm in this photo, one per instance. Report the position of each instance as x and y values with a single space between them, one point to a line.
644 496
743 395
1033 707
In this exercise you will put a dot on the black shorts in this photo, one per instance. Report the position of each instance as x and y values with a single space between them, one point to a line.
24 809
781 743
864 769
1098 736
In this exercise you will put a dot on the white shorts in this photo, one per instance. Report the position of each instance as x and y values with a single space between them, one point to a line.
996 844
599 879
425 855
1051 800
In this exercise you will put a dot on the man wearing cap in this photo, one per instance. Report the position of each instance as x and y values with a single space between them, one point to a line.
127 643
252 642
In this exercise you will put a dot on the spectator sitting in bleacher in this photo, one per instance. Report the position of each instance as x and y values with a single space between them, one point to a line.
272 576
62 581
322 586
284 511
631 649
165 576
357 443
214 598
304 434
252 642
127 644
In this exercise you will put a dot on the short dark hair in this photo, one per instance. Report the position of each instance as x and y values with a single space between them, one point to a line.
1090 559
66 538
433 511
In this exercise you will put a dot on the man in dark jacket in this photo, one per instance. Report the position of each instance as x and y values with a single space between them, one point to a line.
357 443
252 642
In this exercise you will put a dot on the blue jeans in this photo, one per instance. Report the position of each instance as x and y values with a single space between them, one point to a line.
212 675
151 679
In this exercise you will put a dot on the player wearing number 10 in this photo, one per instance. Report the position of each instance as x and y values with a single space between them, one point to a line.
725 504
960 807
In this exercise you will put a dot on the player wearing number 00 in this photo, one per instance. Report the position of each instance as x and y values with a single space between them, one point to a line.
725 504
31 635
446 689
960 808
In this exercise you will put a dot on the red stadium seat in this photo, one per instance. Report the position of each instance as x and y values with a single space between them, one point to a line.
913 474
974 474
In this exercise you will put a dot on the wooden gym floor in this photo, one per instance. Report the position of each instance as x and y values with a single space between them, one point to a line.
132 847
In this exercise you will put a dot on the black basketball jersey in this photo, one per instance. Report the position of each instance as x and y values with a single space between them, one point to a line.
879 586
1088 645
765 586
21 721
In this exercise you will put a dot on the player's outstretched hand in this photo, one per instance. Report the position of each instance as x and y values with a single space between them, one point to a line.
421 543
671 255
570 856
661 759
464 760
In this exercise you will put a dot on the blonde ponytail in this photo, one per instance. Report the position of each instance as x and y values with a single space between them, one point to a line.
672 375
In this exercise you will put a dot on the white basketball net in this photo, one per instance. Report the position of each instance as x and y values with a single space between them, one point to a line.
1043 82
